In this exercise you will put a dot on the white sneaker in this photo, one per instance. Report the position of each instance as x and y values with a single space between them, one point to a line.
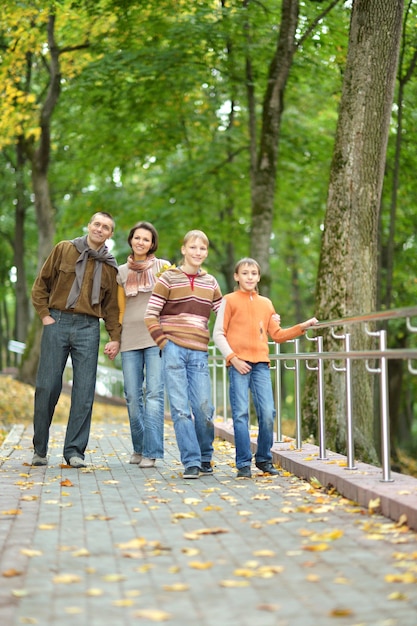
135 458
76 461
147 462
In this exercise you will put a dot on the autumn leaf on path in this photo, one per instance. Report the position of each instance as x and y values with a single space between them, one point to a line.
65 579
205 531
154 615
66 483
10 573
341 612
319 547
407 577
373 505
200 565
30 553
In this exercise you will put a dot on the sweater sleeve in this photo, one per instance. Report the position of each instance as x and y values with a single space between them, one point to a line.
121 300
219 333
280 335
152 317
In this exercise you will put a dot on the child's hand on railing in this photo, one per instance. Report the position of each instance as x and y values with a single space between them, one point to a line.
309 323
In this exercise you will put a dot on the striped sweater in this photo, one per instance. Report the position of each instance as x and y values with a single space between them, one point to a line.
179 309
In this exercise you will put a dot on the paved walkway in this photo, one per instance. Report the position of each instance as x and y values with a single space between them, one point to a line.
116 545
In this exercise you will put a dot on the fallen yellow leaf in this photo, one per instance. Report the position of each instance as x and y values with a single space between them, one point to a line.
397 595
30 553
154 615
190 551
93 591
318 547
374 504
200 565
113 578
65 579
340 612
123 602
47 526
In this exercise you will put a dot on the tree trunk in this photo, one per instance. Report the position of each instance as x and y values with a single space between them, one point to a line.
22 315
347 275
45 213
263 179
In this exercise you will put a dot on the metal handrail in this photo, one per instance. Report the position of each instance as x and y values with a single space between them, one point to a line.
380 356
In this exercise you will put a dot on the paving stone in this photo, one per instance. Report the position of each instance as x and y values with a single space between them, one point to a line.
105 544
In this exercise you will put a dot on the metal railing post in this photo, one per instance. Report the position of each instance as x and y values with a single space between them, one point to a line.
349 415
278 395
297 403
384 411
320 397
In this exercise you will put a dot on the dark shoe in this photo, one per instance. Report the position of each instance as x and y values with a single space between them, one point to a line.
38 460
191 472
267 468
206 467
244 472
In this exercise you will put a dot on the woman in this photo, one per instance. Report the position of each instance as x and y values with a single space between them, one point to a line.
141 362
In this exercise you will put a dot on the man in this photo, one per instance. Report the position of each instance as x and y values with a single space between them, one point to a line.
74 289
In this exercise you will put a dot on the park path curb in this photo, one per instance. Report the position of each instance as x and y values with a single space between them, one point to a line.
363 485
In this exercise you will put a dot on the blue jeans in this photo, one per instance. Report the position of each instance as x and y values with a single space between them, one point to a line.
258 381
76 335
144 393
187 381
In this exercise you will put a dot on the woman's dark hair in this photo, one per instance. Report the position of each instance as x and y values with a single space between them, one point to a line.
152 230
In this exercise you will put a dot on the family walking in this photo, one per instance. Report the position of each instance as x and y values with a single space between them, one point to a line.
157 316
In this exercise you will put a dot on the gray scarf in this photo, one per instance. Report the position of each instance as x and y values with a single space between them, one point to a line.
101 256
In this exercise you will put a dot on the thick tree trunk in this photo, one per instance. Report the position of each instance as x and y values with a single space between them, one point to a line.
347 276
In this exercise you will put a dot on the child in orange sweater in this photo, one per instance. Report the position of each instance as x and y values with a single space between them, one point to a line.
243 324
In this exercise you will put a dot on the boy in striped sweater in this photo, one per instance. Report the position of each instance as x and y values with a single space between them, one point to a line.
177 319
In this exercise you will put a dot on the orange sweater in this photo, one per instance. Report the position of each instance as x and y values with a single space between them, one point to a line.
243 324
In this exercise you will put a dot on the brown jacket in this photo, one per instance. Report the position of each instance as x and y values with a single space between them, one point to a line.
54 281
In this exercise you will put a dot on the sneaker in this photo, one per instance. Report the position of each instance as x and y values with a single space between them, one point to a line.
267 468
76 461
145 462
39 460
244 472
206 467
135 458
191 472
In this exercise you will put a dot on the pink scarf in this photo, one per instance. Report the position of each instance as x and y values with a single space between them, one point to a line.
140 276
